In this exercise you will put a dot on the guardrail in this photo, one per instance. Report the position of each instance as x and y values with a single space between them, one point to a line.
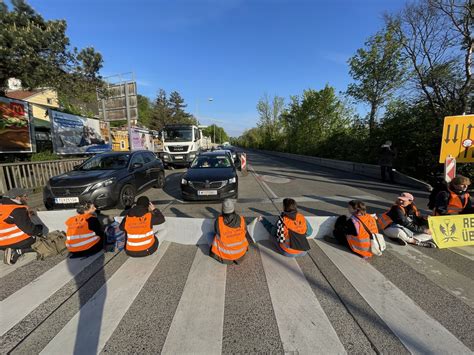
32 175
368 170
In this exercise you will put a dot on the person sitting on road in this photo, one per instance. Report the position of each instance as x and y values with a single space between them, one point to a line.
353 232
291 228
17 231
456 200
138 225
230 241
84 234
404 224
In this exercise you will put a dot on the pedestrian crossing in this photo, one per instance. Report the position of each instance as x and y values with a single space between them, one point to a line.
180 301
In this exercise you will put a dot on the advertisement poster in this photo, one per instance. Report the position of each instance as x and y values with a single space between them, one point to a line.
79 135
142 140
15 127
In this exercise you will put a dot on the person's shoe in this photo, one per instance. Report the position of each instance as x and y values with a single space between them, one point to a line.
427 244
11 256
398 241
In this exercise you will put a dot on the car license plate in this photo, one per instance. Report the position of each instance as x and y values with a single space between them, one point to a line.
180 157
207 193
66 200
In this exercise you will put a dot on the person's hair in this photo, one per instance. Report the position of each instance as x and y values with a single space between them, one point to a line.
460 180
81 209
358 206
289 205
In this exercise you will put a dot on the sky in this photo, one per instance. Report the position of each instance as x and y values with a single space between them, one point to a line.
233 51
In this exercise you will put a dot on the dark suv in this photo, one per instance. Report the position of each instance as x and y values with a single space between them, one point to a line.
107 179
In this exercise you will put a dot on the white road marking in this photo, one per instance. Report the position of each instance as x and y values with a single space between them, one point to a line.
304 327
18 305
418 331
198 323
467 252
88 331
273 194
25 259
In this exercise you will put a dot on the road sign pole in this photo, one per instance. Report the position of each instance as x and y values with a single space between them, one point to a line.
449 168
127 109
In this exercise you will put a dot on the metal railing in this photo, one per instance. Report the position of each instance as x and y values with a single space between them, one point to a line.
32 175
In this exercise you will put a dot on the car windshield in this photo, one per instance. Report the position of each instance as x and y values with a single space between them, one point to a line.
106 162
178 134
218 161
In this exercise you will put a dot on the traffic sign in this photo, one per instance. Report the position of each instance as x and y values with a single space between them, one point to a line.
457 139
449 169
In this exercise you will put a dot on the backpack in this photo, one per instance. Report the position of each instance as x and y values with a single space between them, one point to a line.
51 245
115 236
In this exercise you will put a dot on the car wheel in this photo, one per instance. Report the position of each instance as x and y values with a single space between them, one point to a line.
127 196
160 182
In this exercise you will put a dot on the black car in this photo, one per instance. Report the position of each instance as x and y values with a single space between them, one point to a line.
212 176
107 179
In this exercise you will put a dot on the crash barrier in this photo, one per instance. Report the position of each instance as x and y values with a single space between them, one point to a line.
369 170
243 163
32 175
192 231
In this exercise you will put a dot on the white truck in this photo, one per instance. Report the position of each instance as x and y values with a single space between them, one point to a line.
181 144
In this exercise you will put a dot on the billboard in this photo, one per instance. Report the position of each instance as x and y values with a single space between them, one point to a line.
115 105
15 127
142 140
79 135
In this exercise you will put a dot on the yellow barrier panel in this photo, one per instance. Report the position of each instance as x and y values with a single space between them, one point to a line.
452 231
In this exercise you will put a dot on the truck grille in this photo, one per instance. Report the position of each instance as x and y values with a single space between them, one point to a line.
67 191
178 148
201 185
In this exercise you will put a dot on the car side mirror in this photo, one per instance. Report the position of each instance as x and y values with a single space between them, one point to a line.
136 166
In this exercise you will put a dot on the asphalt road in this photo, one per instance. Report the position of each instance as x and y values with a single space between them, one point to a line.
181 301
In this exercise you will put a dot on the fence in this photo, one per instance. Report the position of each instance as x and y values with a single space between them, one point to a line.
33 175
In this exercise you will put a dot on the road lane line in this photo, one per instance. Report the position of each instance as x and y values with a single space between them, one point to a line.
304 327
419 332
257 176
88 331
18 305
451 281
467 252
198 323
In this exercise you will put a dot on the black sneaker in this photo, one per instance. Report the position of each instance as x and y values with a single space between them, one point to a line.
427 244
331 239
11 256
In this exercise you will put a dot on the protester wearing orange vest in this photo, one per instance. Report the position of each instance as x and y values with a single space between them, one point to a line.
84 234
230 241
17 230
404 224
290 224
456 200
138 225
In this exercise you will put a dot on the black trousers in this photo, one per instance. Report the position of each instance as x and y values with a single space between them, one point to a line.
91 251
24 245
384 170
140 254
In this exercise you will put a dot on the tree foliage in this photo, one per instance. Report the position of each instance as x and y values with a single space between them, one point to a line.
169 110
217 134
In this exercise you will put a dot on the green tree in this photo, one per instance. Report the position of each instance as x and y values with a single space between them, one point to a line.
378 70
145 110
170 110
218 132
270 111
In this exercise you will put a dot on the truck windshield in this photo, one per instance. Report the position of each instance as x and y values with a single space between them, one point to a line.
178 134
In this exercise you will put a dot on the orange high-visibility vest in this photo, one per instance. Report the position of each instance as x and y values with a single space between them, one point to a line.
298 225
231 244
455 205
384 220
140 234
10 234
79 236
360 243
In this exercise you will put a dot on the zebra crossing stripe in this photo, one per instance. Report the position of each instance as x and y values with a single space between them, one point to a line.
25 259
419 332
467 252
88 331
303 325
18 305
198 323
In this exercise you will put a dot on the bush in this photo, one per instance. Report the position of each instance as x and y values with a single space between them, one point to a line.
44 156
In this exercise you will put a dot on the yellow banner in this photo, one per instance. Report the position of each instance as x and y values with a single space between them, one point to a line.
452 231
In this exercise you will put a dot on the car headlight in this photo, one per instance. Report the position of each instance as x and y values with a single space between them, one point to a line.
192 156
101 184
233 180
184 182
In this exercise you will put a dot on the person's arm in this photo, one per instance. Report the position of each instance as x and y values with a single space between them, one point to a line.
442 201
216 227
122 224
157 217
95 226
469 209
399 217
309 229
350 228
21 218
